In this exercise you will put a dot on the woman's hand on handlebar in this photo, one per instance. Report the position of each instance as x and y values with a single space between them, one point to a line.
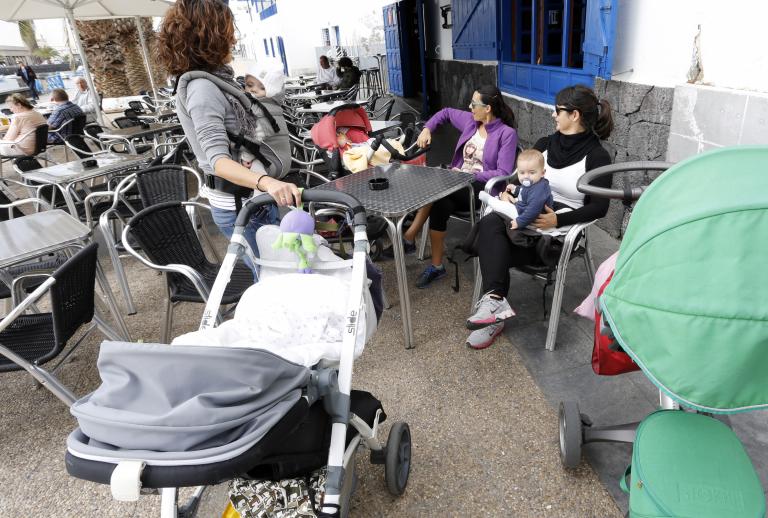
424 139
547 219
284 193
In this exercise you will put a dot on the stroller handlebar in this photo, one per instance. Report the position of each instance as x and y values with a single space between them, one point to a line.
307 195
394 153
628 193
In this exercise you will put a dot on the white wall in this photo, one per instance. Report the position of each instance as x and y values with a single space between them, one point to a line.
299 23
654 39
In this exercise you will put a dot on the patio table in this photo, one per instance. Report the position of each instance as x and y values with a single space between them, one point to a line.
310 96
410 188
379 127
39 234
322 107
159 115
136 132
300 86
66 176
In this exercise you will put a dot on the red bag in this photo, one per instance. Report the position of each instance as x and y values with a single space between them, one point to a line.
606 361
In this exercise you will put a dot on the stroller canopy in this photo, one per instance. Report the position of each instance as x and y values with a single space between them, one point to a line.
350 116
688 296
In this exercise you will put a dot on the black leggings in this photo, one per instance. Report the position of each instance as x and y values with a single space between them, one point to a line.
454 202
497 254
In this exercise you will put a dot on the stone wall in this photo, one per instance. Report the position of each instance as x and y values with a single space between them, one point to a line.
455 82
642 116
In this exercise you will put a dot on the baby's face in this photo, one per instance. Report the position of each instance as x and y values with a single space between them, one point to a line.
254 86
529 170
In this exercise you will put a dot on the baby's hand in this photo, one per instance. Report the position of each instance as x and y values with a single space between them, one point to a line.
513 225
507 196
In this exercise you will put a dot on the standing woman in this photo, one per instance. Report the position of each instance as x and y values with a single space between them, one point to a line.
200 35
486 148
581 121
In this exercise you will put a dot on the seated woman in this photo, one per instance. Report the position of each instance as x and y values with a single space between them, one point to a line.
486 148
349 74
581 120
19 140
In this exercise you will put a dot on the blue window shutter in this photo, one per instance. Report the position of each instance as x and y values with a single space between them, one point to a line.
598 40
475 29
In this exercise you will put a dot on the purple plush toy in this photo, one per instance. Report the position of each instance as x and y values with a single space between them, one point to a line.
297 229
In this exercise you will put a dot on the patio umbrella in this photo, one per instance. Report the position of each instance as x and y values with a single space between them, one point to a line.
14 10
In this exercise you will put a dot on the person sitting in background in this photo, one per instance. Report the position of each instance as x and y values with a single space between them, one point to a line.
264 82
19 140
64 112
349 74
84 99
326 74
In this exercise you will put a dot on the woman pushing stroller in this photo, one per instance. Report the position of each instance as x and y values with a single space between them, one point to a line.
581 121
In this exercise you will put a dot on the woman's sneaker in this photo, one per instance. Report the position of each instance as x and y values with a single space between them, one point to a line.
482 338
489 311
432 273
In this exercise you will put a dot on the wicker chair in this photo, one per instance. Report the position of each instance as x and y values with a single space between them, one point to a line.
30 340
167 237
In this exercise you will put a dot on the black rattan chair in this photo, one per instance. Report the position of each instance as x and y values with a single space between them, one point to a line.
30 340
168 238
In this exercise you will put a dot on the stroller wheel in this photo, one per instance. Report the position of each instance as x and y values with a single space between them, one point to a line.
398 463
571 434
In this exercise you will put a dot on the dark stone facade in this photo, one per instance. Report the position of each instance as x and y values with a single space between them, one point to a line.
456 82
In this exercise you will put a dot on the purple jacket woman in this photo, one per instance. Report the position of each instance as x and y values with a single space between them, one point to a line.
487 148
500 147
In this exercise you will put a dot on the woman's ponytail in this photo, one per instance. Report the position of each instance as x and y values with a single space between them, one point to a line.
604 123
596 114
491 96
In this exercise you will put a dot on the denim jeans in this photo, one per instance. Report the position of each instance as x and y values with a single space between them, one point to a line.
225 220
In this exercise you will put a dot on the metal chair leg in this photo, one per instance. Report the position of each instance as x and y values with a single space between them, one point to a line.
557 296
122 280
589 263
478 284
168 319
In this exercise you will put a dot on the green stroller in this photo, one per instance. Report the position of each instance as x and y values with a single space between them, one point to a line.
687 303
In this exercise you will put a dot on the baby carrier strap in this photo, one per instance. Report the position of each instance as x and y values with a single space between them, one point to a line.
249 102
272 150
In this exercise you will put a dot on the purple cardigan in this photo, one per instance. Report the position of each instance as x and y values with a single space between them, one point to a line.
500 148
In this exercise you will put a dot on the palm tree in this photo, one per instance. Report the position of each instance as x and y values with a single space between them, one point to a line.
28 36
46 53
105 56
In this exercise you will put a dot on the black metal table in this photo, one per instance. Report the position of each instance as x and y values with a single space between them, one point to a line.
410 188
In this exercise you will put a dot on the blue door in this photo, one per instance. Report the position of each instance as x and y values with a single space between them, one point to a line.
283 58
399 69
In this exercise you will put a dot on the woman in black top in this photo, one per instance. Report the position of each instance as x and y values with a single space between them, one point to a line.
581 121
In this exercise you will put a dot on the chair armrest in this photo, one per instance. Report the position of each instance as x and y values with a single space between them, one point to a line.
491 183
16 285
21 308
182 269
307 164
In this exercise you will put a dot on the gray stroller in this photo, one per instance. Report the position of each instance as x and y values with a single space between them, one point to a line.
182 416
